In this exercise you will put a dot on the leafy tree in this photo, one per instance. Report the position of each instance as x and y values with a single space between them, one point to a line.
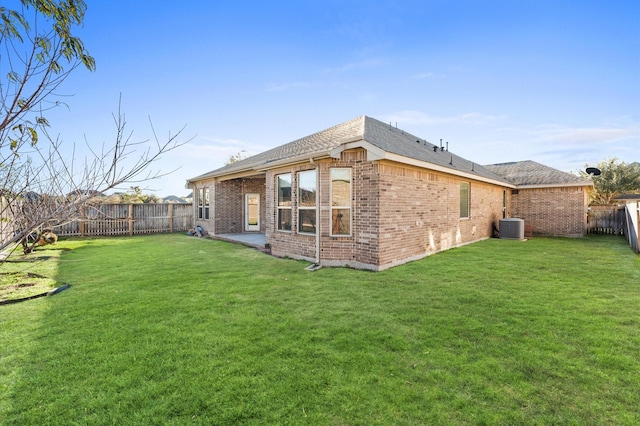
38 52
135 196
617 177
39 186
237 157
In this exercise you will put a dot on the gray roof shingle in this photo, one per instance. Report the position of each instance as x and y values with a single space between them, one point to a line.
396 141
399 142
530 173
375 132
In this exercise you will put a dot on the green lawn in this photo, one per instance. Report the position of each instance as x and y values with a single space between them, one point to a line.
171 329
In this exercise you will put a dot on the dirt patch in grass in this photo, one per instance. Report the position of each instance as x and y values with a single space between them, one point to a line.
19 285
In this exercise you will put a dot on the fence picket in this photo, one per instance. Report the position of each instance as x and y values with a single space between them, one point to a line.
128 219
606 220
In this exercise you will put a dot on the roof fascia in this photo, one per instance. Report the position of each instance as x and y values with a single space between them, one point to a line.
292 161
375 153
555 185
427 165
222 176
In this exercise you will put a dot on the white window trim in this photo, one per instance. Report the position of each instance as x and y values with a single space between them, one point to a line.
468 216
298 207
206 204
350 207
278 207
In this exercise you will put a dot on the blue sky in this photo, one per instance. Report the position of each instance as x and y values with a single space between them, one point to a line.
556 82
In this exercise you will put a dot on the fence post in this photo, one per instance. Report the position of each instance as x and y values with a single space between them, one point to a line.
82 220
170 217
638 225
130 219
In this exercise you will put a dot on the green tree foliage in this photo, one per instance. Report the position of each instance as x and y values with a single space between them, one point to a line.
616 178
237 157
135 196
37 52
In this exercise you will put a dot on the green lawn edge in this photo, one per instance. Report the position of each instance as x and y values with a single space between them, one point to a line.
168 329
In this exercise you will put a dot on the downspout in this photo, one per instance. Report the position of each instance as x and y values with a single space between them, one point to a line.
318 210
212 206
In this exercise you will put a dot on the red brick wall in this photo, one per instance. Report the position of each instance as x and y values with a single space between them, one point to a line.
229 207
227 204
420 213
399 214
552 211
287 243
206 224
360 249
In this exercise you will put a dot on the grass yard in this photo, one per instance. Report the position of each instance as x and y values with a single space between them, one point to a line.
170 329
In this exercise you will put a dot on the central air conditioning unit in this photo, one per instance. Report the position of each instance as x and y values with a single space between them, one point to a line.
512 228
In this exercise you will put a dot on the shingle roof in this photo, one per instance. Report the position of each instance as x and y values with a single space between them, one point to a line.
363 128
405 144
530 173
396 141
316 144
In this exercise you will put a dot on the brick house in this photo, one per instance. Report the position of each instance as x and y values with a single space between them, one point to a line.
368 195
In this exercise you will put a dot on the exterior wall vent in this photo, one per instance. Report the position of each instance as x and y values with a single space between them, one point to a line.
512 228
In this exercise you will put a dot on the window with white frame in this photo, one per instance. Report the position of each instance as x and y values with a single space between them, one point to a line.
340 201
464 200
307 191
284 202
203 203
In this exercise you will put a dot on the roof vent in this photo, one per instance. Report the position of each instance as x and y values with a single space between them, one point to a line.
512 228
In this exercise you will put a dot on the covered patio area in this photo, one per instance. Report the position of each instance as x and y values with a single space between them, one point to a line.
251 239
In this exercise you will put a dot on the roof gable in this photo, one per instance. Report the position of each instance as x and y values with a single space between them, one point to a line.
318 143
383 136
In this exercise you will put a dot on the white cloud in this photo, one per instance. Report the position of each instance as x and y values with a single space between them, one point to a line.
371 63
427 76
587 135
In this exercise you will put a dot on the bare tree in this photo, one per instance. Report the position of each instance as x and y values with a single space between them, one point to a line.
47 189
39 183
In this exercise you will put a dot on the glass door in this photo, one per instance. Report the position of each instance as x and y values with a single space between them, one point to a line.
252 212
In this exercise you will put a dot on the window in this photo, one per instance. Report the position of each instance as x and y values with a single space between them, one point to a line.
284 202
307 190
464 199
340 201
203 203
206 203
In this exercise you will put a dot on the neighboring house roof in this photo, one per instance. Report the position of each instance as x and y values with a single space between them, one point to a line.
628 197
531 174
174 199
381 140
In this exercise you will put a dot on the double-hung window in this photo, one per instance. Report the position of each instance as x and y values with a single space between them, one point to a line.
284 202
464 200
340 202
307 190
203 203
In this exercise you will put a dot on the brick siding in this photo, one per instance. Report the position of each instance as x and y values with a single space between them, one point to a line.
227 204
552 211
399 214
420 213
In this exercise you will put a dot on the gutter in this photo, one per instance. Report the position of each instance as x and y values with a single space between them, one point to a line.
555 185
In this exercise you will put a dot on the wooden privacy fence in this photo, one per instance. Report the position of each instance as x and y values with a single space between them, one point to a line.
128 219
606 220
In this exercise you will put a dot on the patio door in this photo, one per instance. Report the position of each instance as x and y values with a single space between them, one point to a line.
252 212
